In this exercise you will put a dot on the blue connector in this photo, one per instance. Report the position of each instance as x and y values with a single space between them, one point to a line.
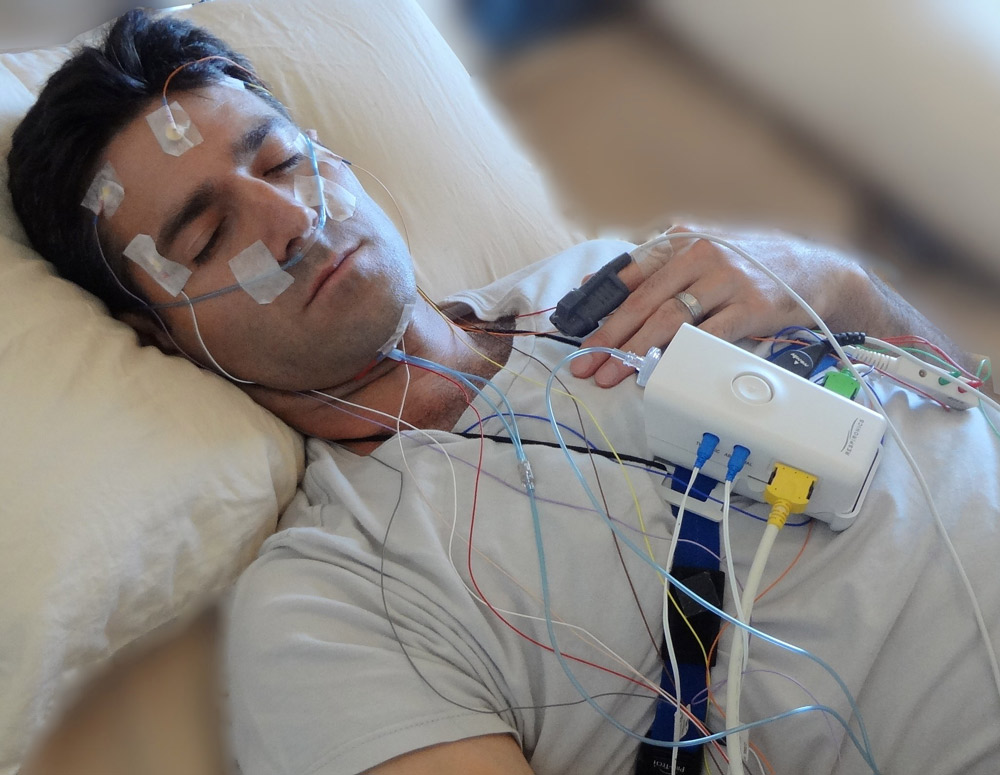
736 462
709 441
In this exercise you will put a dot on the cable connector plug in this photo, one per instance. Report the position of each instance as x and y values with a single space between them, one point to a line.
948 388
788 491
644 364
709 441
736 462
527 475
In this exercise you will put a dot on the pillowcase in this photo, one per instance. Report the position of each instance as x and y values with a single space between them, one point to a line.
135 486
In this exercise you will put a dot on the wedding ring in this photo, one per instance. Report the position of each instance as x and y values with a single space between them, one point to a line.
692 305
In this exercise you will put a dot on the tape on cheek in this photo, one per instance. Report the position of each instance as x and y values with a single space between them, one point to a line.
169 274
105 193
173 129
340 203
259 274
404 321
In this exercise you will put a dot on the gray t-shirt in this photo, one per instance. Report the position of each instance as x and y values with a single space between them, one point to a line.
367 628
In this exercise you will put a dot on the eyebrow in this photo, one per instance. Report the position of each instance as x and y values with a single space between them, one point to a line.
199 200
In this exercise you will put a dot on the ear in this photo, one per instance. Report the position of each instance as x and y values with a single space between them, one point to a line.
150 331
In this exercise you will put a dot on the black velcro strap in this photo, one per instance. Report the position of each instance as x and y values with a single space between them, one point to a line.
708 584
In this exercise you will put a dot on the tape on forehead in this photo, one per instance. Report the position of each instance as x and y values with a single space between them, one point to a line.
340 203
232 83
169 274
105 193
259 274
173 129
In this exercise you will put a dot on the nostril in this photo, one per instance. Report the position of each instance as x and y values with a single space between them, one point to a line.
306 239
304 242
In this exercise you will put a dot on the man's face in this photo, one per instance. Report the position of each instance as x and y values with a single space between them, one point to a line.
232 190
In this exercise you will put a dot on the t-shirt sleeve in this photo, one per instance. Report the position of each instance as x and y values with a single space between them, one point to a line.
322 681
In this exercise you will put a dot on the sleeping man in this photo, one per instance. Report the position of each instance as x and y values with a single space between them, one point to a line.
415 613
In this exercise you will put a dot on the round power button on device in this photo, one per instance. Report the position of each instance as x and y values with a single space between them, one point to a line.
753 389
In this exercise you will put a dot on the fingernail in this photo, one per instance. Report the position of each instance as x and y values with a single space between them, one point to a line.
607 375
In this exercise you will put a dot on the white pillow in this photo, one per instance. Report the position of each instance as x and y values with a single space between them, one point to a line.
134 485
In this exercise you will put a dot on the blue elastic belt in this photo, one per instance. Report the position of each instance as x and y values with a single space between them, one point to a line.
696 565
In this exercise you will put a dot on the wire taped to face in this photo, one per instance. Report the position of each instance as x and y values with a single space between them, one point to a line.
262 279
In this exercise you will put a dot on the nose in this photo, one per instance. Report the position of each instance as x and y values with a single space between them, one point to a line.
284 223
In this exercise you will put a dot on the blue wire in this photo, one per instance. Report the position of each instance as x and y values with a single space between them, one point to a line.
465 379
864 750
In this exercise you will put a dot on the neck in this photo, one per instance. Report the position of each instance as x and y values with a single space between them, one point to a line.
431 400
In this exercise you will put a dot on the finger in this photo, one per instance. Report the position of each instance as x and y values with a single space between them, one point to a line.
634 312
733 323
646 262
660 327
651 316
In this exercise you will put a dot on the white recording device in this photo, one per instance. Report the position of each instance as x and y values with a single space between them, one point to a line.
703 384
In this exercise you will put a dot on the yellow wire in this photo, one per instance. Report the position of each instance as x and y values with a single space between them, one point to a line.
600 430
597 425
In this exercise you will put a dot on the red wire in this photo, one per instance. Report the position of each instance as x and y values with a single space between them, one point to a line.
537 312
495 612
914 388
472 527
899 340
198 62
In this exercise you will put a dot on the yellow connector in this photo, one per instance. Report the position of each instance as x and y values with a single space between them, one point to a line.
788 492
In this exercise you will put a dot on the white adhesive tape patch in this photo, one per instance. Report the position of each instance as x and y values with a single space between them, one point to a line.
340 203
169 274
105 193
259 274
307 188
232 83
404 321
173 129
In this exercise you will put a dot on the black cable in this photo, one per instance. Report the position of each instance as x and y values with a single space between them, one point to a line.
396 636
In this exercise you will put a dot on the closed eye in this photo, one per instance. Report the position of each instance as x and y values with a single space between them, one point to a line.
288 164
206 252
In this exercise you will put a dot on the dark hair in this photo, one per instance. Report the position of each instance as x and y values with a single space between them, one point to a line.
56 149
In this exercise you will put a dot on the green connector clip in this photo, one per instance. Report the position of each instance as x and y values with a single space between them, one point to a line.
842 382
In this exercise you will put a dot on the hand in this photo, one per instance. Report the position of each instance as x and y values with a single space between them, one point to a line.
738 299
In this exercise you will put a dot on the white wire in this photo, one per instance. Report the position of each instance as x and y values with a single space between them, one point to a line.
197 333
880 343
731 568
736 742
925 489
741 646
453 522
667 639
760 764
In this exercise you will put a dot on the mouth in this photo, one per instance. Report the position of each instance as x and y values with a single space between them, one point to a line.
328 270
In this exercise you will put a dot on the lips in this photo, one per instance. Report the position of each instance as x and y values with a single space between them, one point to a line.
327 270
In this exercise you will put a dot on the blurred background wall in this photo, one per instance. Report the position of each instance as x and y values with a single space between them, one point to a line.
26 24
873 127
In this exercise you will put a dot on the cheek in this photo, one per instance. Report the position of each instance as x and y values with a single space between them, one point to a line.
225 332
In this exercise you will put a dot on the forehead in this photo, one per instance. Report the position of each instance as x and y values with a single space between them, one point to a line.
154 180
